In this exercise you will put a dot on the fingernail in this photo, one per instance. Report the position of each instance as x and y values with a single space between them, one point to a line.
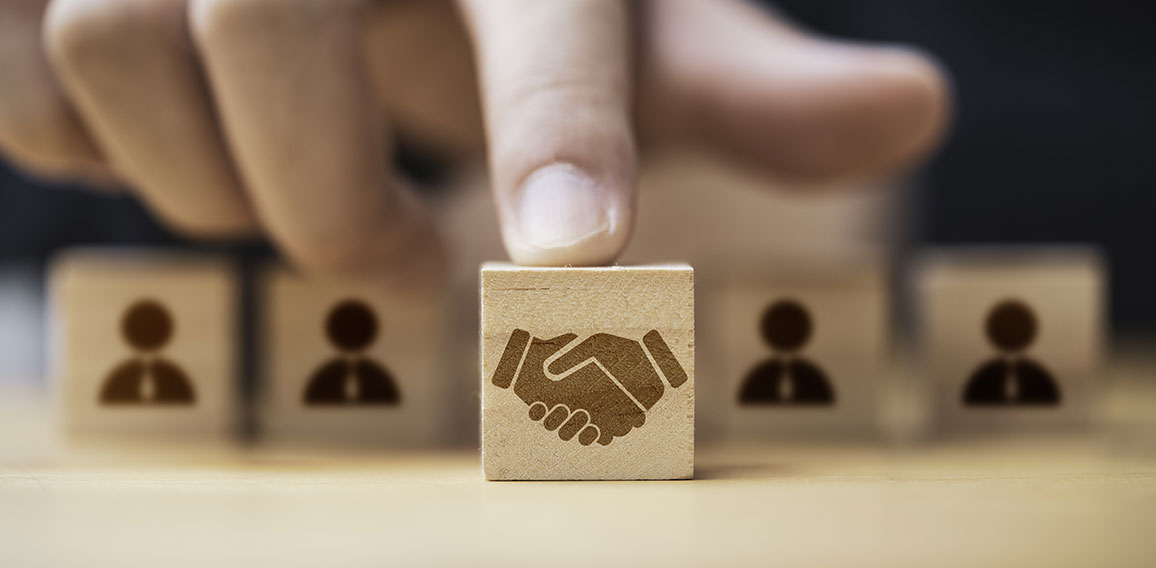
560 205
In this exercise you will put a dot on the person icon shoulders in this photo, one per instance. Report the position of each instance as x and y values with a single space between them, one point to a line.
147 378
1011 378
786 378
351 378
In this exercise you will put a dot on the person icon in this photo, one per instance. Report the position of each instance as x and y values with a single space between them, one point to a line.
147 378
1011 379
786 378
351 378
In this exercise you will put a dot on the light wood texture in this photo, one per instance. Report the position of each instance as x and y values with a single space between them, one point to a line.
352 362
145 346
1014 503
587 373
782 334
965 296
1079 499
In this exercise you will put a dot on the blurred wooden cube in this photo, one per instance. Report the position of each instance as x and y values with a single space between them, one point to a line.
800 347
351 363
587 373
145 346
1011 337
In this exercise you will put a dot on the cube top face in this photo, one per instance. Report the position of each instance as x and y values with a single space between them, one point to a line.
1011 340
145 346
587 373
801 349
350 363
999 267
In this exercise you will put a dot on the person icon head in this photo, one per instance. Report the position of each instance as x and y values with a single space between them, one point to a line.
1011 326
148 377
787 377
1012 378
786 326
351 326
353 377
147 326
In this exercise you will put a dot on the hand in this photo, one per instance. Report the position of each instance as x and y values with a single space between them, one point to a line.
598 390
230 117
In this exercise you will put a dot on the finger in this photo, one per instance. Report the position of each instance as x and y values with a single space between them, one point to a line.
129 66
289 78
39 129
432 98
577 420
511 358
537 411
556 417
556 99
803 106
666 361
605 438
588 435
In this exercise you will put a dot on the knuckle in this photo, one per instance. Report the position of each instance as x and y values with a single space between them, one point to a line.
210 19
545 90
77 32
39 150
213 21
537 116
336 252
360 244
208 227
39 133
330 256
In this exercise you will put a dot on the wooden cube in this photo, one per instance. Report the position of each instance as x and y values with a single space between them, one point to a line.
351 363
587 373
801 347
1011 337
145 346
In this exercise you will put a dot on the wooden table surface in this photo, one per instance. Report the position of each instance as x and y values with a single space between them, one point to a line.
1084 499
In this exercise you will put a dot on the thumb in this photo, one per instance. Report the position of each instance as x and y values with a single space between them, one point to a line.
555 83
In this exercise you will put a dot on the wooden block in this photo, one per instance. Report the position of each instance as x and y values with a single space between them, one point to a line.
1011 337
350 363
145 346
800 345
587 373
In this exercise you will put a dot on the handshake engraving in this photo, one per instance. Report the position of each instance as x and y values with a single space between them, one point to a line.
599 389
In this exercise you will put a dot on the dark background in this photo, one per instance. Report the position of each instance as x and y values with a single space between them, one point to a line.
1051 142
1054 120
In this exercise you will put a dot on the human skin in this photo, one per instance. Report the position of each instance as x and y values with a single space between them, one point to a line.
235 117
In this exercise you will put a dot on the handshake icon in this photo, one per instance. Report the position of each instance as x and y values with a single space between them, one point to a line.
598 389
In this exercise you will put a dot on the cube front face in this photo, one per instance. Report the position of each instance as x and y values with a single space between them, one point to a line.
145 347
801 351
1011 344
350 363
587 373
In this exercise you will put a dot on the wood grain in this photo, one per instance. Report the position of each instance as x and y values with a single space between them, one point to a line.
959 294
407 347
94 295
1072 499
604 367
843 303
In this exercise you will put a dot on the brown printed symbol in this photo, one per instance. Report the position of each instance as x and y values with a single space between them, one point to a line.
599 389
1011 379
786 378
351 378
147 378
